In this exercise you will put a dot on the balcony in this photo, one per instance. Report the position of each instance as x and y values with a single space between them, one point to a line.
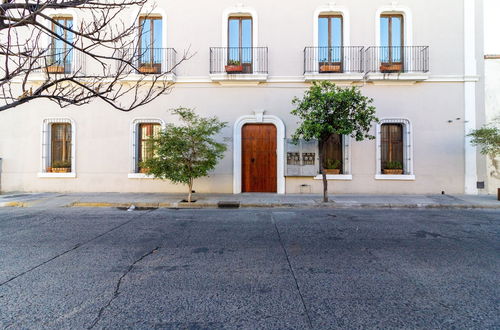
243 64
63 61
151 61
333 63
397 63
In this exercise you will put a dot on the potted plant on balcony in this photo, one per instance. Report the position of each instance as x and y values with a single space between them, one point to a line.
234 66
60 167
330 67
55 68
393 168
332 166
391 67
148 68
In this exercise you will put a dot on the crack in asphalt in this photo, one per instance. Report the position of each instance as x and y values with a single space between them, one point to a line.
292 272
70 250
118 285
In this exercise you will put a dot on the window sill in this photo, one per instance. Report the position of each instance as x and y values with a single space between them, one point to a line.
339 177
140 176
311 76
403 177
47 175
241 78
404 77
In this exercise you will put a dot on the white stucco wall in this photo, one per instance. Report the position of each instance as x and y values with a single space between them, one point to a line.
435 107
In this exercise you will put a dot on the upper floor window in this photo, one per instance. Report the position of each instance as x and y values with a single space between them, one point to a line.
61 50
150 44
240 39
392 40
330 43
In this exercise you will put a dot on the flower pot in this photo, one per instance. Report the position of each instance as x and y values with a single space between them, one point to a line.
60 170
391 67
330 68
144 170
393 171
331 171
55 69
234 68
148 69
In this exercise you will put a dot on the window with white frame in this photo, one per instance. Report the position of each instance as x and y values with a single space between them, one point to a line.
58 146
394 147
336 159
143 132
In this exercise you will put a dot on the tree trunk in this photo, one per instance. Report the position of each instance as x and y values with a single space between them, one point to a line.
323 173
190 185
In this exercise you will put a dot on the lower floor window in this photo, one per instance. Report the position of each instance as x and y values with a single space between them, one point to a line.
333 154
58 146
395 147
146 133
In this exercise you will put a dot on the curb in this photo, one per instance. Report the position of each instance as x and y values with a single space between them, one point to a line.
333 205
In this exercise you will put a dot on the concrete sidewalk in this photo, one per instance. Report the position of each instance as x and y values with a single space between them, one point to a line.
140 200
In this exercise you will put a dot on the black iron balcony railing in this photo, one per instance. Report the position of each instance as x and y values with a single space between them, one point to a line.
347 59
397 59
238 60
148 60
60 61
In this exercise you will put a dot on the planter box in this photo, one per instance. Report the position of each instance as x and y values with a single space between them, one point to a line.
391 67
55 69
331 171
60 169
234 68
149 69
330 68
392 171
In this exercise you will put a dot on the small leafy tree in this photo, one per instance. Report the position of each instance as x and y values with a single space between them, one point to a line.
327 109
187 151
488 138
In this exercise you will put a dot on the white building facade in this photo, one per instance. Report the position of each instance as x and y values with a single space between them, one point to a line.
421 61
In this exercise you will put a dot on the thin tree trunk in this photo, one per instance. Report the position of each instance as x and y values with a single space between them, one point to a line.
190 185
323 173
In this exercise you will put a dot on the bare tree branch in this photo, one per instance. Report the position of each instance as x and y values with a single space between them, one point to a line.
44 57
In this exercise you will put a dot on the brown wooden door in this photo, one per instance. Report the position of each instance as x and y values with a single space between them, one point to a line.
259 164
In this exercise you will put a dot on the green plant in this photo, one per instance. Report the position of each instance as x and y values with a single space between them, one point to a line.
233 62
394 165
326 109
188 151
61 164
488 138
333 164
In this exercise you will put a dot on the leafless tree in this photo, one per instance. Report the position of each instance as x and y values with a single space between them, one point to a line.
42 57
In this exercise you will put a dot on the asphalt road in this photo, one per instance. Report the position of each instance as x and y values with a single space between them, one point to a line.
254 269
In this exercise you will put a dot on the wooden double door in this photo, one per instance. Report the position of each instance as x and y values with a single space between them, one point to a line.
259 158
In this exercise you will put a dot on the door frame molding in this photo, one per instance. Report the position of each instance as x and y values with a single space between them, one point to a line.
259 118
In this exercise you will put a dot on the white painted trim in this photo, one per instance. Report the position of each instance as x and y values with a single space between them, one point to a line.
140 176
238 78
407 147
45 148
57 175
334 76
240 9
339 177
470 69
259 117
337 10
134 138
407 17
403 177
